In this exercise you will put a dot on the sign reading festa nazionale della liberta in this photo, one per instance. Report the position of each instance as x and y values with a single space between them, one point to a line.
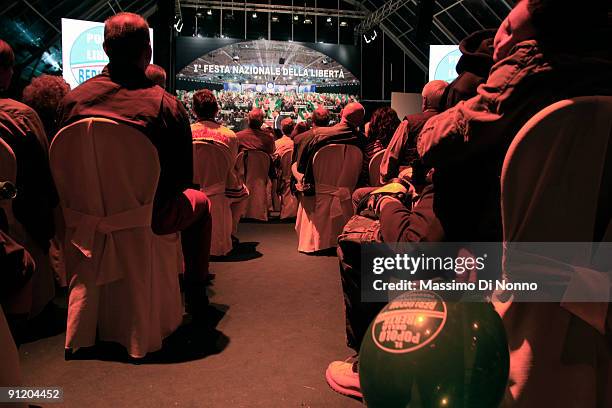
268 70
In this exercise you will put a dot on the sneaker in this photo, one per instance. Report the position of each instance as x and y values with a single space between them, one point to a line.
343 377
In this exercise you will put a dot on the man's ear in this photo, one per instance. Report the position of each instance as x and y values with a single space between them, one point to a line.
149 53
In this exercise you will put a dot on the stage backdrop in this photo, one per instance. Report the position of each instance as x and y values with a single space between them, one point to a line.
274 66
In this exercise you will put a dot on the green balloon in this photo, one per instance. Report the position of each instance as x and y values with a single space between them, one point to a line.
421 351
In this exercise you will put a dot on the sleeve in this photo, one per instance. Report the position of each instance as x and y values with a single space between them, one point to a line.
186 150
389 167
476 125
37 197
269 145
178 150
305 156
399 224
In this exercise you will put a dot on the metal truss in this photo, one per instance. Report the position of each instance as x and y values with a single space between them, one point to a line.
272 8
376 17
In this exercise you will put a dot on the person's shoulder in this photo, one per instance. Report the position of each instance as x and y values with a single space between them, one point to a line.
15 108
227 131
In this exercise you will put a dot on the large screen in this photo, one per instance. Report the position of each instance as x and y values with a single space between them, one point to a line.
443 62
82 54
264 65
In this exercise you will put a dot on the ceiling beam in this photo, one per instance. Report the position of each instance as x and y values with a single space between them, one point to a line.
272 8
378 16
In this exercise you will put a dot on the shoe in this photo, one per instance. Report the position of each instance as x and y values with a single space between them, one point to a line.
196 300
343 377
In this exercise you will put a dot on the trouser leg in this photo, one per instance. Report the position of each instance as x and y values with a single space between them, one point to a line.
189 213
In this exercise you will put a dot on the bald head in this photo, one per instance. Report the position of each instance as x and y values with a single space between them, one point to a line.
256 118
353 113
126 40
320 117
432 94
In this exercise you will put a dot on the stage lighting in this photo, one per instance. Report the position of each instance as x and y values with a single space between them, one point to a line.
254 15
329 20
296 17
343 24
274 19
178 23
198 14
209 12
370 36
307 20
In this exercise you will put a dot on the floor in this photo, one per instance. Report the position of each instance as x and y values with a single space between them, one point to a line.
281 323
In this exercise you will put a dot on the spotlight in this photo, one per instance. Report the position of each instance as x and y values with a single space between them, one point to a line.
329 19
199 14
274 19
307 20
371 36
343 24
254 15
296 17
209 12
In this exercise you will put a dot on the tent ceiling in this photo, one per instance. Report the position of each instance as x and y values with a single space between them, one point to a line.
33 26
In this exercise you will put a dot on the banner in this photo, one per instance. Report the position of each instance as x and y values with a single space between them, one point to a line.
83 55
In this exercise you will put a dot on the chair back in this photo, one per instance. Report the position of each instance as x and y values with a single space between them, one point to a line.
337 165
212 163
288 202
555 181
285 164
553 171
256 166
374 168
320 219
106 176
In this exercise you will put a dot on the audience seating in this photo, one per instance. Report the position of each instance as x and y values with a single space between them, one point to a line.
553 175
43 281
212 163
374 167
288 202
255 167
320 218
123 279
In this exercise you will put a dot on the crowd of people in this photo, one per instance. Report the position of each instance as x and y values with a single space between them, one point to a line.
448 157
234 106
